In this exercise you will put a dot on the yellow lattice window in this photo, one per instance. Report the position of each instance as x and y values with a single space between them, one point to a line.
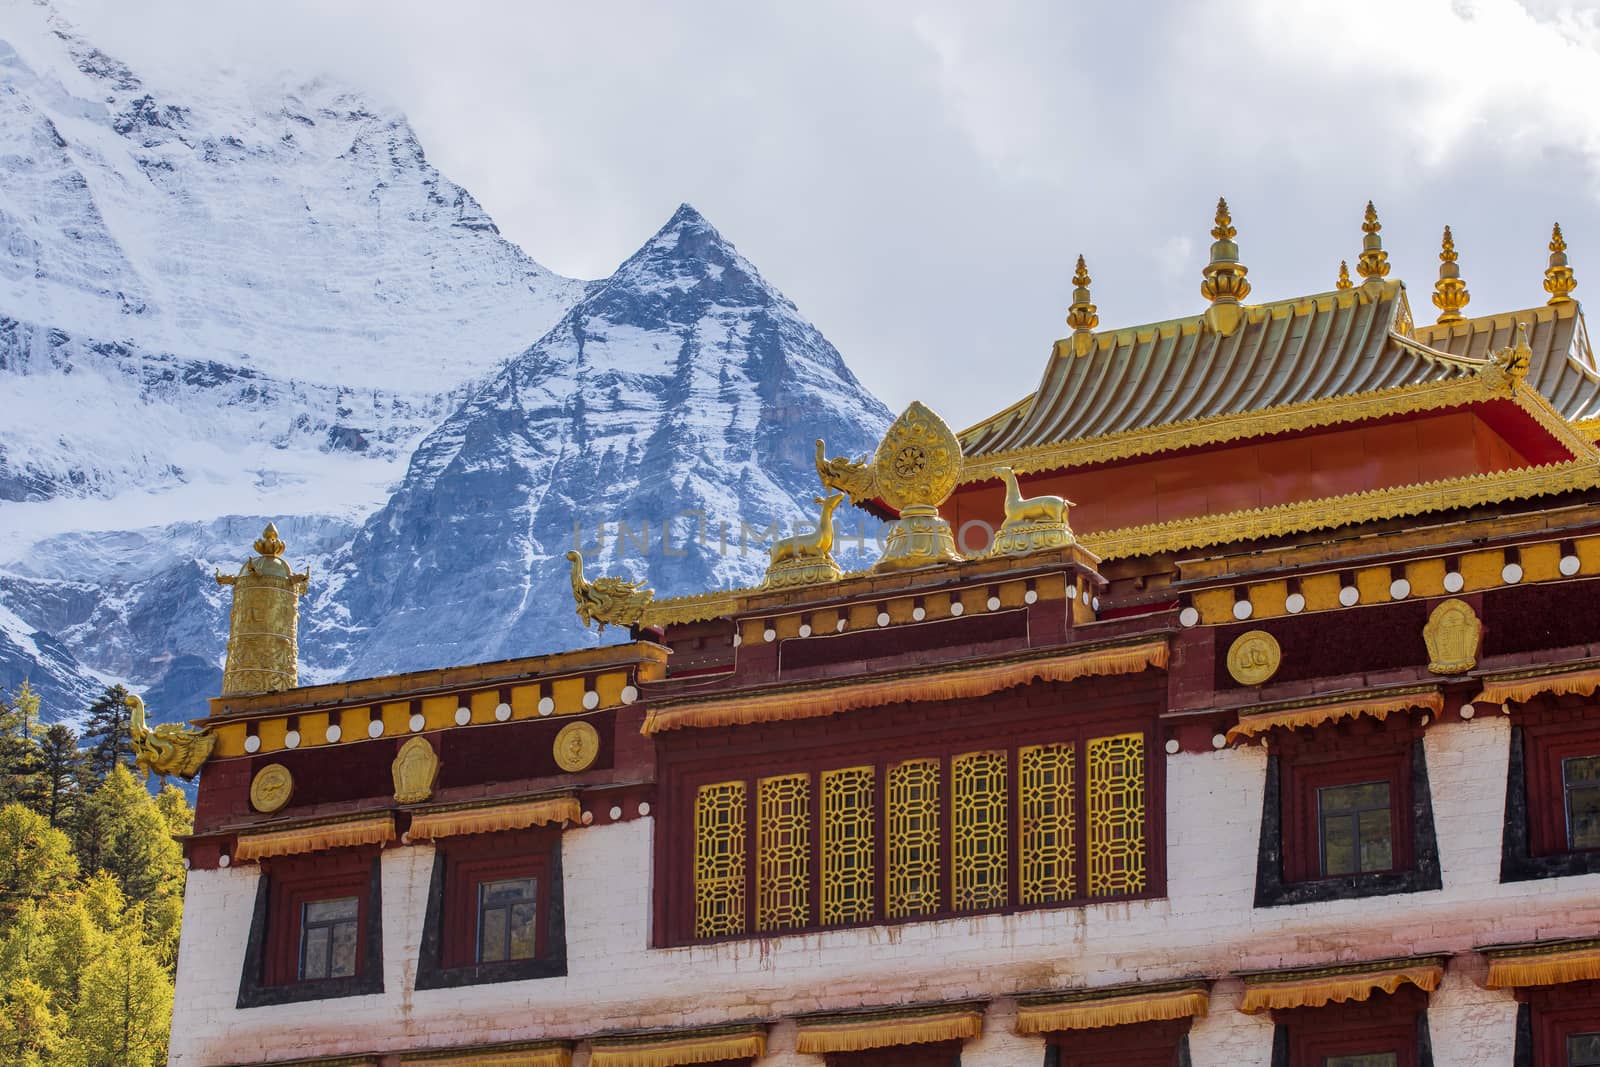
912 838
1116 815
1049 824
783 852
848 873
719 829
978 825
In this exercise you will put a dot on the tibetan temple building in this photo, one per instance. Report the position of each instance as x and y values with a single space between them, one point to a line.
1228 700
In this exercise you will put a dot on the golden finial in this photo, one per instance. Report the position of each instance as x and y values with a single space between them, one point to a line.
1344 276
269 543
1224 281
1082 316
1558 279
1449 292
1373 263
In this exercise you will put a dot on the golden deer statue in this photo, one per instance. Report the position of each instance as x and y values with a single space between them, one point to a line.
1032 523
804 559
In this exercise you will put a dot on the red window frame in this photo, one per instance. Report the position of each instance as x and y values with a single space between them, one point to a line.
1545 745
475 859
1330 759
1384 1023
297 881
1135 1045
1558 1012
1007 722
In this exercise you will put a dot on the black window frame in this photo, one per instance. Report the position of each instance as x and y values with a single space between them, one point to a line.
308 925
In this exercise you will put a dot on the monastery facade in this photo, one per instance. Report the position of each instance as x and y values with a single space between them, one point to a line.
1230 699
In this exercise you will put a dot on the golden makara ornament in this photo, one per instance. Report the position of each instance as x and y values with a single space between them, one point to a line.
576 746
415 768
271 788
169 748
1254 657
806 559
915 470
1452 635
1032 523
608 600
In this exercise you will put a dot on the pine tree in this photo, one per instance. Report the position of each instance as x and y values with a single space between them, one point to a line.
31 1033
21 762
36 860
61 773
124 1007
107 733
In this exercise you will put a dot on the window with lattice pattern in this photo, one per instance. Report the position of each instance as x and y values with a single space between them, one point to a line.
783 852
849 873
1049 824
719 849
980 858
1115 801
912 840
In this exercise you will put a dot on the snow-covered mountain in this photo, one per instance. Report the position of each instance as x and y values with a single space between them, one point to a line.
221 304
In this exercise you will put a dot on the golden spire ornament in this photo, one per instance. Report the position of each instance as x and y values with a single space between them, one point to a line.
1373 263
1449 292
1558 279
264 622
1082 316
1224 281
1344 276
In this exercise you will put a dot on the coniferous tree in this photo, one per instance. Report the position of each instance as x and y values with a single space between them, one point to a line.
61 773
20 758
108 734
36 859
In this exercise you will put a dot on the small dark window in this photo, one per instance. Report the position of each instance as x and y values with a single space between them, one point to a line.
1580 776
328 938
1357 831
1583 1050
1371 1059
508 915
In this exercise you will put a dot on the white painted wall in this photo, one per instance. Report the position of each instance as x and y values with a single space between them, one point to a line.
1207 926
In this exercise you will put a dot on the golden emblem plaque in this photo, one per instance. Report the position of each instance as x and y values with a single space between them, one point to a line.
1254 657
414 770
1452 635
271 788
576 746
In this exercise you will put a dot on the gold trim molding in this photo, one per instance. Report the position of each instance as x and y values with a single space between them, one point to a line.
432 825
1293 716
1578 679
295 840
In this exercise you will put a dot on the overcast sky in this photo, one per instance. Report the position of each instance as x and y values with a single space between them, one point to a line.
918 178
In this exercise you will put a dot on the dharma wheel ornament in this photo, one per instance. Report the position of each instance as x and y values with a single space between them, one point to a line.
806 559
1032 523
264 622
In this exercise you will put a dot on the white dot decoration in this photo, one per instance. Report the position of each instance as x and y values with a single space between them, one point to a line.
1243 609
1569 566
463 716
616 811
1189 616
291 739
993 603
591 700
644 807
1031 596
186 863
1219 740
1454 582
588 817
1468 711
919 613
736 641
1294 603
252 743
1095 603
547 705
1399 589
805 629
417 723
1349 595
1084 595
1173 746
333 733
956 607
629 694
841 626
883 618
502 712
224 860
375 728
769 635
1511 573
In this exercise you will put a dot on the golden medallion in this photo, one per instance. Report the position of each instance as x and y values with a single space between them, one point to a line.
414 771
1452 635
576 746
271 788
918 461
1254 657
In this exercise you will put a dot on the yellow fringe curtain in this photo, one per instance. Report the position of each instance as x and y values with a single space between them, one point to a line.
376 830
1112 1011
1335 989
428 826
674 1052
533 1057
1378 708
1513 690
882 1032
824 700
1550 968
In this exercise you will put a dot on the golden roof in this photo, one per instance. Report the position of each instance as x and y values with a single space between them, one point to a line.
1563 367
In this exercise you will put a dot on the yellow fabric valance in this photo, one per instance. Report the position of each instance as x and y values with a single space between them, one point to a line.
882 1031
540 1056
1556 683
669 1051
430 825
821 700
1377 707
1543 965
1089 1012
372 830
1334 986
